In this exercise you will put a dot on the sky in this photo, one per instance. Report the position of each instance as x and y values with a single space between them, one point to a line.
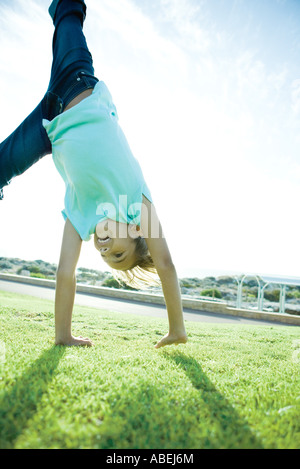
208 95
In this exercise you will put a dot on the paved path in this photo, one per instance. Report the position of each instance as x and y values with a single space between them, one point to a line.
126 306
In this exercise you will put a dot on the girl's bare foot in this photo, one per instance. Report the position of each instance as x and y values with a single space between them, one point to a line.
75 341
170 339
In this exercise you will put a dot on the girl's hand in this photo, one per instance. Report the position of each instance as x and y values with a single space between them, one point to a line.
170 339
76 341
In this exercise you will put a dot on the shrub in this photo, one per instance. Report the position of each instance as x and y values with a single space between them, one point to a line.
37 275
186 284
272 295
5 265
111 283
212 292
34 269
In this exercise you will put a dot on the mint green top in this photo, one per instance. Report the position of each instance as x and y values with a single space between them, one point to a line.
102 177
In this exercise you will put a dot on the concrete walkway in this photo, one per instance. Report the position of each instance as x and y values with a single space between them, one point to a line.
127 306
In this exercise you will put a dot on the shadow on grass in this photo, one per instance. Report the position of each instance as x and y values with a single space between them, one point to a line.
228 429
146 415
19 404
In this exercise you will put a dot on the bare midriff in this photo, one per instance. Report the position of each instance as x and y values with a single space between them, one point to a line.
79 98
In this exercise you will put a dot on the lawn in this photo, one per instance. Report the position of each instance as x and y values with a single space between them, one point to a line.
231 386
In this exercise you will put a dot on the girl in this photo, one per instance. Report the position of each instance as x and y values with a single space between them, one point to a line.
106 194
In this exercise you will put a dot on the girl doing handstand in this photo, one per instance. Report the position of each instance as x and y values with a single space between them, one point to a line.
106 194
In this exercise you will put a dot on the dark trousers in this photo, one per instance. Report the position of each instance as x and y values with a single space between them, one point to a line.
72 73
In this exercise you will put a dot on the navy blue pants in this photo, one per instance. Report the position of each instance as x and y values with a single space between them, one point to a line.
72 73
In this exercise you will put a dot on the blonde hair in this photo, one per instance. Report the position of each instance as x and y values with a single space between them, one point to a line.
143 273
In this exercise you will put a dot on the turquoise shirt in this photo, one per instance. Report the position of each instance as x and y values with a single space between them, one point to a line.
102 177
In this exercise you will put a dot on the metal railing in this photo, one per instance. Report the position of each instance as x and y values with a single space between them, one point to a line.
263 282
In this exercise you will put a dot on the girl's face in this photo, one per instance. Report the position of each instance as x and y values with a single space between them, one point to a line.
115 242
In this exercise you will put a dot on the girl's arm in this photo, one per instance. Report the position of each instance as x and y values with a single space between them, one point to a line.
66 288
159 251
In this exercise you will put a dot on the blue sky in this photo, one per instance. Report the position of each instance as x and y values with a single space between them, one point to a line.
208 94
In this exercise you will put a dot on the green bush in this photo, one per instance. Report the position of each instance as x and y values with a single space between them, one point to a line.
212 292
185 284
5 265
111 283
294 294
272 295
37 275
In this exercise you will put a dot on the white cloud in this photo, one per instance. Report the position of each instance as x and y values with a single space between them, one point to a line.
183 15
129 29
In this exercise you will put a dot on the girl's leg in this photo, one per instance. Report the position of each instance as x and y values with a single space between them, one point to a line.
72 68
24 147
72 72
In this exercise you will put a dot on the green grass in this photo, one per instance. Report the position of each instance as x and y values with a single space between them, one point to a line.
231 386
